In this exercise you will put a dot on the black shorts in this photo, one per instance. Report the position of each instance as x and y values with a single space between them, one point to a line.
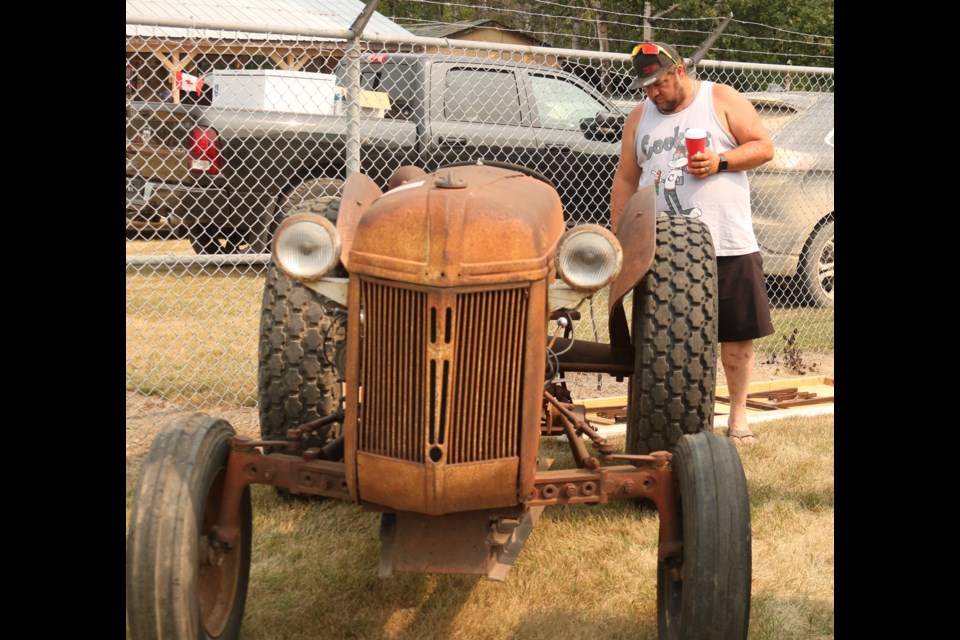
744 309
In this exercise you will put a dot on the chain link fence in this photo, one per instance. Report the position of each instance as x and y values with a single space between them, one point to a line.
226 132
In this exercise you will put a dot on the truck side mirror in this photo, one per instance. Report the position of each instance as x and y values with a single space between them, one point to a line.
605 126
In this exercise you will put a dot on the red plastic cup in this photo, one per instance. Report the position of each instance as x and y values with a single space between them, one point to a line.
696 140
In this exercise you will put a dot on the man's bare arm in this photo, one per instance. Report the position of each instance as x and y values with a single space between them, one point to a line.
754 146
627 177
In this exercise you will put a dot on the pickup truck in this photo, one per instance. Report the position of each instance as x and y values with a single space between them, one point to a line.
225 177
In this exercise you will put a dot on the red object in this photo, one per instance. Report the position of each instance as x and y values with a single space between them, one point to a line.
696 141
205 151
187 82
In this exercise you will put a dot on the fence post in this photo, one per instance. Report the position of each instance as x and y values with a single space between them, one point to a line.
353 107
353 80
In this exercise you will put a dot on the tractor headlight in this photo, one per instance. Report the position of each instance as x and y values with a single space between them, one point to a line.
306 247
588 257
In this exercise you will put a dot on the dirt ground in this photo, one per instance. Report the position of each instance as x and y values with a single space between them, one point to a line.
146 415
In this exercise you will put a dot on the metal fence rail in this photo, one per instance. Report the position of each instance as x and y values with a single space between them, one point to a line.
231 125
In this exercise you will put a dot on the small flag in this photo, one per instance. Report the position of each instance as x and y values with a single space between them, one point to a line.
187 82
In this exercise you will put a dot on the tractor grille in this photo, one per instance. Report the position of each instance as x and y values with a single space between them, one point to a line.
441 373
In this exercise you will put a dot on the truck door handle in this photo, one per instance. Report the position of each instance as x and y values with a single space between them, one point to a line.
559 148
452 141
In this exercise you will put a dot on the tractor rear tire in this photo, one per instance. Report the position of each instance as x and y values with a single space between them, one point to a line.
302 336
312 189
673 386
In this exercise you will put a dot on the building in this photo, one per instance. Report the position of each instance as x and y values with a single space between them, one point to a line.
156 54
481 31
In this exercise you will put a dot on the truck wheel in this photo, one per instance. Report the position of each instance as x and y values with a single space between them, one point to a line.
816 267
302 336
705 593
215 240
178 584
672 389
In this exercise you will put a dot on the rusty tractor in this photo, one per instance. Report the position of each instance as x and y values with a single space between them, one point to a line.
413 348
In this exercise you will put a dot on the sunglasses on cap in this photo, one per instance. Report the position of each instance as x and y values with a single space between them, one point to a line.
651 49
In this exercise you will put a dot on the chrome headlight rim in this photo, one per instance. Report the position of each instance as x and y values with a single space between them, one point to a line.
285 246
602 239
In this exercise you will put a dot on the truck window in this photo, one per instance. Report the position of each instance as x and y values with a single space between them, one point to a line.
398 80
478 95
561 104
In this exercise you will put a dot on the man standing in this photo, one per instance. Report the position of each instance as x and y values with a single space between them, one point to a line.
716 186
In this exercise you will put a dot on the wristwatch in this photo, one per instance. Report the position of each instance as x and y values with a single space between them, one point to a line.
723 163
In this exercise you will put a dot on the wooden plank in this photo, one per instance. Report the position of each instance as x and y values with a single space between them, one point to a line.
613 402
752 404
804 401
771 385
762 396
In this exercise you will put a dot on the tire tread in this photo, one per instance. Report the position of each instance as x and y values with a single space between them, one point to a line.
673 388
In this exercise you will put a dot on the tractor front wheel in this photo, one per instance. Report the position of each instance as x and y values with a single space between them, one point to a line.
181 583
705 592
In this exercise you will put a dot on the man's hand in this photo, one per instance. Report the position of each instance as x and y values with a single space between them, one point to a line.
704 164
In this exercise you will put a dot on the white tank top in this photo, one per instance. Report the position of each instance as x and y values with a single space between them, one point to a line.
721 201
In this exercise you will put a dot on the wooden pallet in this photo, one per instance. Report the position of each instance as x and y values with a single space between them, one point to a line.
761 397
784 394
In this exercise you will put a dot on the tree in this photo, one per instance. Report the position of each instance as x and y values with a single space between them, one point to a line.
771 31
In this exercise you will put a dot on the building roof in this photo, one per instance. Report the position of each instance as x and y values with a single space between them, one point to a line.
291 14
456 29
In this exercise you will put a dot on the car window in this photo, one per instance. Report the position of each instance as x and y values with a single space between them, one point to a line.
561 104
481 95
774 116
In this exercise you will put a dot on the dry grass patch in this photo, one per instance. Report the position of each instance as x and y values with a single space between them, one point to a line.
586 573
193 338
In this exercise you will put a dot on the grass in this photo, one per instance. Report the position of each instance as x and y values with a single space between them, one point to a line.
194 338
585 572
814 331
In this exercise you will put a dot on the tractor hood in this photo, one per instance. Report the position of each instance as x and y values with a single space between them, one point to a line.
461 226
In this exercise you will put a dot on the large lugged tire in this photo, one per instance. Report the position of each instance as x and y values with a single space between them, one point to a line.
178 586
307 190
672 389
706 593
302 334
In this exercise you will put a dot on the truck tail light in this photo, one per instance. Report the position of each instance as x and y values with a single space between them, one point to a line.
205 151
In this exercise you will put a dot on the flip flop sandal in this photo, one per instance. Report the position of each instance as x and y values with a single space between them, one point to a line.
738 436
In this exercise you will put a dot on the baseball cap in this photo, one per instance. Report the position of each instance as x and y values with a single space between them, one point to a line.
650 61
